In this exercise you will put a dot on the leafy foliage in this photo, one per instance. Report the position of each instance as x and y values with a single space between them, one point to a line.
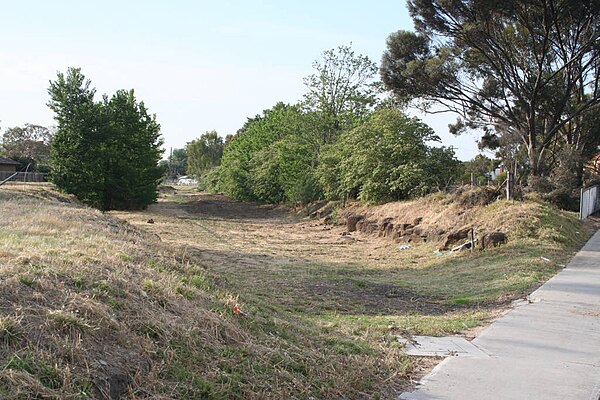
387 158
107 152
518 68
284 172
177 163
252 161
480 167
28 144
75 151
333 145
342 91
132 151
328 172
204 153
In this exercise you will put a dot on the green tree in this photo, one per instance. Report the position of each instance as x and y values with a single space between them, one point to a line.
75 153
328 172
132 150
341 91
387 158
28 144
528 68
272 158
481 167
284 171
164 167
176 165
107 152
236 174
578 142
204 153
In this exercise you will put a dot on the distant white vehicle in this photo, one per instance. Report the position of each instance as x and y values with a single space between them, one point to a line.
186 181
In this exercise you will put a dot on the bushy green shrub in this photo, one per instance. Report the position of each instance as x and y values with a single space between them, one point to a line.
106 153
211 180
387 158
272 159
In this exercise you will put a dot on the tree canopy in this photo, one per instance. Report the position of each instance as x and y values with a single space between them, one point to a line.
339 142
106 152
204 153
27 144
387 158
177 163
523 68
269 156
341 91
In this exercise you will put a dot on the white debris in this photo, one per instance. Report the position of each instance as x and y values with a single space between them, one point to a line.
441 346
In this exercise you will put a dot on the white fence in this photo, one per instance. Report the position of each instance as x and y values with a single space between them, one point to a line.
589 202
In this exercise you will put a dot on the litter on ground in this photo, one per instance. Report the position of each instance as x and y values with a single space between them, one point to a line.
429 346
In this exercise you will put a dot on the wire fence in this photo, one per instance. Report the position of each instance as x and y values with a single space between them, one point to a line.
589 202
22 176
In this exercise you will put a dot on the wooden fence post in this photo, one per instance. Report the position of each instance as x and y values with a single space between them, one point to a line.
472 239
509 185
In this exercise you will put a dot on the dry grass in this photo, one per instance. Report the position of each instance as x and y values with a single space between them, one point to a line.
75 299
307 285
92 306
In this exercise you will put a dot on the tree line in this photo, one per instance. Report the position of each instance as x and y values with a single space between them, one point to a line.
29 145
341 141
523 74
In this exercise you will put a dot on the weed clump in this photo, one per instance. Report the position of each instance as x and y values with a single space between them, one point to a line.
469 196
67 321
10 329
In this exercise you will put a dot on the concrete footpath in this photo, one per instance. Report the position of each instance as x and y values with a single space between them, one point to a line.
548 348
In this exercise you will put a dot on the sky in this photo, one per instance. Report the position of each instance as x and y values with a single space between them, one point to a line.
198 65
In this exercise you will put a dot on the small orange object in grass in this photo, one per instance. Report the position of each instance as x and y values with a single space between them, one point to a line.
237 312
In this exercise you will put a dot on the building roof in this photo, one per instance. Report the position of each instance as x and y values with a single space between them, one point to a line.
6 161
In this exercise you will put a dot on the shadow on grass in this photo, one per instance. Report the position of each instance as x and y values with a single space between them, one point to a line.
220 207
301 286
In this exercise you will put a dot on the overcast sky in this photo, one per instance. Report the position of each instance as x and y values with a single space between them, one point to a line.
197 65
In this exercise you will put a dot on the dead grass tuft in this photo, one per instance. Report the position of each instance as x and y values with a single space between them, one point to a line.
23 385
68 321
11 329
96 313
469 196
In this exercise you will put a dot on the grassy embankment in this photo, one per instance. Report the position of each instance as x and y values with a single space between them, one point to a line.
94 307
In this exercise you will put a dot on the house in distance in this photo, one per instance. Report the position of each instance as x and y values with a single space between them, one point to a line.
8 165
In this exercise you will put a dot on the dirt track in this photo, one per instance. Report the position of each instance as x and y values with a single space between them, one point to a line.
271 252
